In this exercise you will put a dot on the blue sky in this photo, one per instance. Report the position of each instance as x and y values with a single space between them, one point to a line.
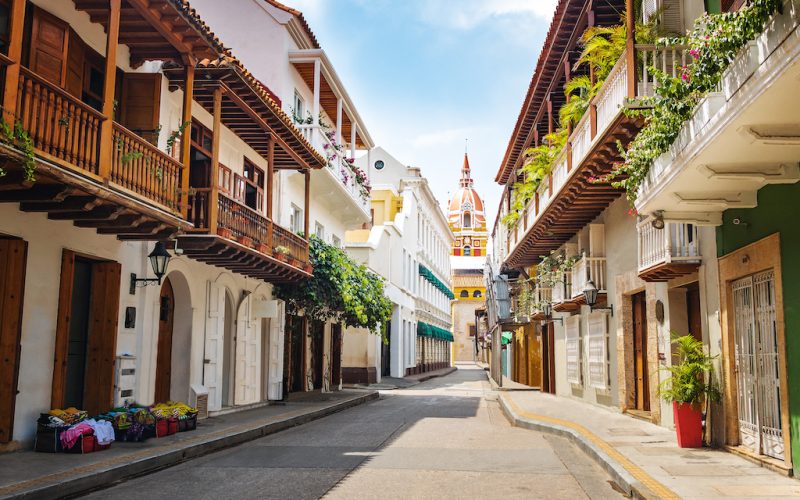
427 74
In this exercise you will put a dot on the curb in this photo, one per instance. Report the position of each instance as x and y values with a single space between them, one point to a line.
79 484
632 486
425 377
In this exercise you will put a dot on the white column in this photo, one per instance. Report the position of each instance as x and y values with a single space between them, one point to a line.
339 120
315 106
353 139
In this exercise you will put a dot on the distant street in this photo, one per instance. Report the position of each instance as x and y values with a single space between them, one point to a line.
438 439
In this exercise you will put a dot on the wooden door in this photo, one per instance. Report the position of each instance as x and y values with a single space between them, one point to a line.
317 351
386 352
641 379
336 355
141 102
49 42
98 391
248 355
13 258
75 59
293 367
166 315
693 311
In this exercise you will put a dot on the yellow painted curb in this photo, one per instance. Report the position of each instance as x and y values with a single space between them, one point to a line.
634 470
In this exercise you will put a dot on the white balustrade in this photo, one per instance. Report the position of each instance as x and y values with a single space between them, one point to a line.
560 173
588 268
671 61
611 97
581 139
561 291
676 242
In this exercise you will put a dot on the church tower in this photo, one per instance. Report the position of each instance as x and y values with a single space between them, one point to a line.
467 220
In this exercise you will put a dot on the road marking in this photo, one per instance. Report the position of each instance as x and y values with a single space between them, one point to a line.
637 472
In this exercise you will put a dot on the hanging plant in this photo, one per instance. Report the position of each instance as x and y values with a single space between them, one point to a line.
714 42
18 138
340 289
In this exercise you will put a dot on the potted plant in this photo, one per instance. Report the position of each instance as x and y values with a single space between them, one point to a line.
689 387
225 233
281 253
245 240
308 268
262 248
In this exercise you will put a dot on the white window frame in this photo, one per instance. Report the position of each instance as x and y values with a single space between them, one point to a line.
299 106
319 230
574 360
597 350
336 241
296 219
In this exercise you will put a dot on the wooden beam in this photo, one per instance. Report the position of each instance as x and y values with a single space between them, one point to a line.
216 132
109 84
164 27
270 186
630 47
16 24
186 139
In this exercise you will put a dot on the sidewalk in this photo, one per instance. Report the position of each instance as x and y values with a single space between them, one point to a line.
28 474
644 458
391 383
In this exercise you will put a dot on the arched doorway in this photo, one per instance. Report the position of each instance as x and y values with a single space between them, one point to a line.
166 319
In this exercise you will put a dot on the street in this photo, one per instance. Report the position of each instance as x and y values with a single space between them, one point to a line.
441 438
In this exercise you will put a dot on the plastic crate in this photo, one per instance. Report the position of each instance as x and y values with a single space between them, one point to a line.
84 444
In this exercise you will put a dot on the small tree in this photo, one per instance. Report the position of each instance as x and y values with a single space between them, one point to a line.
689 379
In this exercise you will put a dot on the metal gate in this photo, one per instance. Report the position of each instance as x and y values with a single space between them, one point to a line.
757 373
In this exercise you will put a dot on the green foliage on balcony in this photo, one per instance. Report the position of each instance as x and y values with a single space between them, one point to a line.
339 289
714 42
432 279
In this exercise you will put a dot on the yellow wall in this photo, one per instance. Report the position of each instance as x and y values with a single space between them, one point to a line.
471 290
385 206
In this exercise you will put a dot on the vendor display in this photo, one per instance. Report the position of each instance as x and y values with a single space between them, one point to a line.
70 430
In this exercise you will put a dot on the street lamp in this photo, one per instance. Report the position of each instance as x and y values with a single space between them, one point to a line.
590 294
547 309
159 259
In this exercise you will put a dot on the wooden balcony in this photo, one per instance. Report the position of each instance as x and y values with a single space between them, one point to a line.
133 194
669 252
233 236
571 196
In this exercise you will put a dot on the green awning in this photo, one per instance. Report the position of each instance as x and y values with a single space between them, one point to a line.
432 279
506 338
434 332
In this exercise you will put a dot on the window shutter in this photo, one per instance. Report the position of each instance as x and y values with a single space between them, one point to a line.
573 345
141 103
597 350
49 39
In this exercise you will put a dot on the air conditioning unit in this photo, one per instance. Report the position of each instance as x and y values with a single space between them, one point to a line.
199 400
124 379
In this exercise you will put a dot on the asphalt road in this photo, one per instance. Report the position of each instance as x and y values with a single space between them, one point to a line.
444 438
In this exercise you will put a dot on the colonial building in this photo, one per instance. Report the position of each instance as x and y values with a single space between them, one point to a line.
408 245
702 252
279 48
467 220
142 153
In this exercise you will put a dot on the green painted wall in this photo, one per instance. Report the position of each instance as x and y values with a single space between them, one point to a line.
776 212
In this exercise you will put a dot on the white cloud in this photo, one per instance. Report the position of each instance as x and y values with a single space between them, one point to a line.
467 14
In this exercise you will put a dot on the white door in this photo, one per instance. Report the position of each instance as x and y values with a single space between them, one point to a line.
276 334
248 355
757 375
214 345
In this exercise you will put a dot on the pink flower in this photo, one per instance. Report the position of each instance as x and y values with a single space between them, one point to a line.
695 53
633 211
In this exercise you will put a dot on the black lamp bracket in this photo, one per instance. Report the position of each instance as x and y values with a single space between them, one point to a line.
609 308
142 282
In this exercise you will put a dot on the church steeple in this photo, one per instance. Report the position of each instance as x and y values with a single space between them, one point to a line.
466 179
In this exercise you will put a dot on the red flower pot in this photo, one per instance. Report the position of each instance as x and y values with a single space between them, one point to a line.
281 256
688 425
245 240
224 232
261 247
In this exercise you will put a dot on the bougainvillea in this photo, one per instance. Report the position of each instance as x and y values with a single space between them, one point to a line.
339 289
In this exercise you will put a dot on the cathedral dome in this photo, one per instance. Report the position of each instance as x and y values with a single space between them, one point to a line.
466 207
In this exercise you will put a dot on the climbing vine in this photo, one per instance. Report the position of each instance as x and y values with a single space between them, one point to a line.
19 138
713 43
339 289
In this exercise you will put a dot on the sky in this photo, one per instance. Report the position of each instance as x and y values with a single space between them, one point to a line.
427 74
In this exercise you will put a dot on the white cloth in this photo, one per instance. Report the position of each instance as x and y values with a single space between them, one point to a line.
103 430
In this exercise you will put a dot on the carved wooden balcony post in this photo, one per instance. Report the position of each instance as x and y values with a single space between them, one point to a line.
16 23
109 84
216 132
186 138
630 54
270 185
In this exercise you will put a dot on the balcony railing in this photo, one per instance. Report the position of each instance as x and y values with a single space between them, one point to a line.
144 169
609 103
562 291
60 125
675 243
338 164
66 131
244 225
588 268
